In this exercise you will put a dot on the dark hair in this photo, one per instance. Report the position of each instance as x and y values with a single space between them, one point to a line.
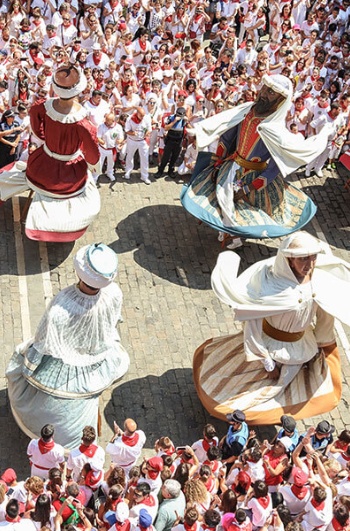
284 513
117 477
209 430
191 515
260 488
212 518
42 510
213 453
12 508
341 514
181 473
47 432
89 435
144 488
73 490
229 501
241 515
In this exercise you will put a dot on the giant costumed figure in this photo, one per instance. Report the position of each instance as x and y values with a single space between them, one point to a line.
240 188
57 376
286 360
65 199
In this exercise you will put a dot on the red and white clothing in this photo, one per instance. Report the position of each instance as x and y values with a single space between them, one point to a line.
318 515
57 170
44 456
261 509
343 487
295 497
78 457
67 33
138 143
150 503
110 136
201 447
343 459
96 113
125 451
101 61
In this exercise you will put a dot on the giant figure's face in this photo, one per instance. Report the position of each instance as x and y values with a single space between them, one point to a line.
267 101
303 265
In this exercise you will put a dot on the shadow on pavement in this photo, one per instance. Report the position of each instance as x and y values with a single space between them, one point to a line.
174 246
166 405
13 441
57 252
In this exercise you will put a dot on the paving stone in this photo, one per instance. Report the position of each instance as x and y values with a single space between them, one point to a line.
165 260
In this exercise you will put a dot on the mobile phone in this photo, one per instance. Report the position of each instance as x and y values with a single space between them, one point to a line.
180 448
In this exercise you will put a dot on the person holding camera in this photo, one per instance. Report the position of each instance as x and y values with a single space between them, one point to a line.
175 129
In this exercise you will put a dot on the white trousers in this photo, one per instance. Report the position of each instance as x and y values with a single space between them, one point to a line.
318 163
131 147
107 154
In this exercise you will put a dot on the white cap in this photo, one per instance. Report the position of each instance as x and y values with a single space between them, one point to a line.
96 46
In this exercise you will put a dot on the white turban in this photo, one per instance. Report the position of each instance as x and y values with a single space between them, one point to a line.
96 265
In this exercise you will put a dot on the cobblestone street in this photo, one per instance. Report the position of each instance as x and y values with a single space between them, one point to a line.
165 261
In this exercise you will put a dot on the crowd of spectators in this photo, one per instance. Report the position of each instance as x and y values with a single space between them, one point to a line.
143 59
297 482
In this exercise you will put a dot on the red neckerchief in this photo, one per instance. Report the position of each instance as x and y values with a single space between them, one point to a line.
345 456
89 451
263 501
214 465
99 84
36 22
337 526
133 439
115 503
170 450
316 505
142 45
197 17
96 60
149 501
323 104
299 492
206 445
45 447
153 474
12 520
192 527
92 103
207 528
329 114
